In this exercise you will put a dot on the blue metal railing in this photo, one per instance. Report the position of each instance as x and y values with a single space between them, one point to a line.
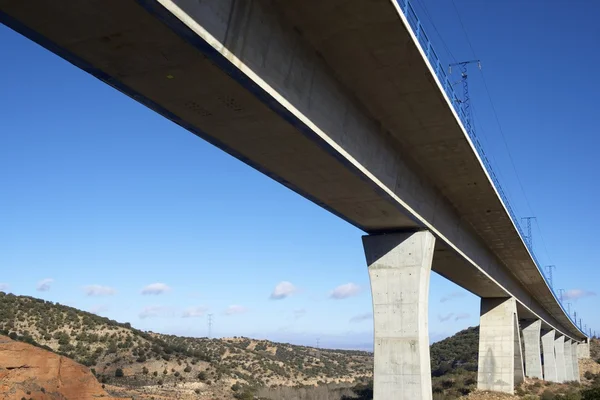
440 71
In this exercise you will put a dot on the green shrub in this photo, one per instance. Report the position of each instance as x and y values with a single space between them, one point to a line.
118 373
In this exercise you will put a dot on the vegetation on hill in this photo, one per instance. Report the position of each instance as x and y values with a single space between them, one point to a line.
150 363
121 355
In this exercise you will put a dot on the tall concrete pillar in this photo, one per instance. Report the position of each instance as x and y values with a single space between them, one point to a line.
533 354
575 361
559 350
399 269
500 359
583 349
549 356
569 375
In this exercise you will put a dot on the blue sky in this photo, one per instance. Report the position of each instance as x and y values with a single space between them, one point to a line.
110 208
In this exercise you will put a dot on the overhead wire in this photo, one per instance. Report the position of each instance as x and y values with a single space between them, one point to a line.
426 12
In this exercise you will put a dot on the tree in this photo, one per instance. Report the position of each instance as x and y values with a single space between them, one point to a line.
119 373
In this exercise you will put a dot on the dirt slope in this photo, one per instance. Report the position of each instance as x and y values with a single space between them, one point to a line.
28 372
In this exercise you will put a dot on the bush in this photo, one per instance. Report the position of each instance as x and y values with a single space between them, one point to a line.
187 369
588 375
118 373
591 394
547 395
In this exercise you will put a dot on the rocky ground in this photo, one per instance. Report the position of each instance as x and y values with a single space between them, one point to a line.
28 372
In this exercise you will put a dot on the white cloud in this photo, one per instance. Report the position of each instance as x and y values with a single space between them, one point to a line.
156 289
282 290
99 290
362 317
299 313
451 296
576 294
444 318
345 291
100 308
156 311
44 285
235 309
193 312
4 287
461 316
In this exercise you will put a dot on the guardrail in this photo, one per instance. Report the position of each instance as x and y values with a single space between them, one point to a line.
440 71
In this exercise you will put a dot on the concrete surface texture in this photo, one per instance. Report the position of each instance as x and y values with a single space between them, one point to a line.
575 362
568 350
559 350
533 354
583 349
500 359
276 83
549 356
399 269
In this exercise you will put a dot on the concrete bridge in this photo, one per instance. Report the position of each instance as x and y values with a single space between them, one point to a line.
343 102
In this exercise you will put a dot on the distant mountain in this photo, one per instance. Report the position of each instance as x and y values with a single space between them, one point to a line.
129 361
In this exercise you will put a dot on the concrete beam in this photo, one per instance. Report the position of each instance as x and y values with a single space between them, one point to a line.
500 358
533 354
575 362
559 350
549 356
569 373
399 269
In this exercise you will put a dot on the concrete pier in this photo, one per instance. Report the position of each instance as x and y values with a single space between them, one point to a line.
500 358
399 269
569 374
549 356
583 349
575 361
559 351
533 354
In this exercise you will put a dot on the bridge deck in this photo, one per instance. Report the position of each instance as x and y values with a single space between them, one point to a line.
333 99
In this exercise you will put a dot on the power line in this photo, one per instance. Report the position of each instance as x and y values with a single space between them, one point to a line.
463 28
422 4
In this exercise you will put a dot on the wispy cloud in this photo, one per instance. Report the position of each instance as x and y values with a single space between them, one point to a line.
100 308
362 317
44 285
444 318
194 312
156 311
235 309
452 296
4 287
345 291
156 289
99 290
462 316
576 294
299 313
282 290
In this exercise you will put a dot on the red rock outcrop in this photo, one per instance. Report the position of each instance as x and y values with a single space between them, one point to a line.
29 372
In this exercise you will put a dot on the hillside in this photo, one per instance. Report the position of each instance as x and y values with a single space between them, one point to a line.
124 357
28 372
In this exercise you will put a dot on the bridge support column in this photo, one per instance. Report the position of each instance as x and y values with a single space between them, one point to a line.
500 358
559 350
533 354
575 361
569 375
399 269
549 356
583 349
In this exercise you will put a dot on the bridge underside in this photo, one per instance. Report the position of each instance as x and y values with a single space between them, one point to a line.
333 99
